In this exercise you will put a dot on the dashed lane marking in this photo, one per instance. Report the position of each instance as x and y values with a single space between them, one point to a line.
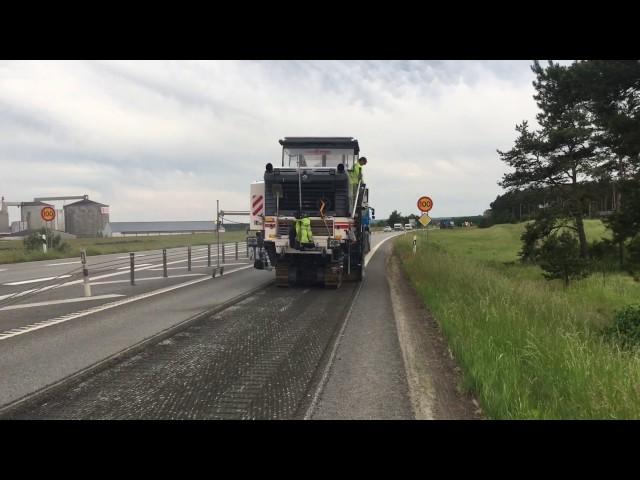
57 302
35 280
64 263
109 282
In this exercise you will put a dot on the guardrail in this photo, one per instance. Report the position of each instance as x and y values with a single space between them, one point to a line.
167 256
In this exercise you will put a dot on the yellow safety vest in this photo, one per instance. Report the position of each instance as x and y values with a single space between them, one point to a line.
303 230
355 174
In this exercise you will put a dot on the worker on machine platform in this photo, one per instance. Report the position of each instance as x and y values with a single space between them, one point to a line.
355 175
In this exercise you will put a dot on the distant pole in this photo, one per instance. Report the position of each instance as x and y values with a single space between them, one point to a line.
132 263
236 250
164 262
208 255
218 229
189 258
85 274
415 241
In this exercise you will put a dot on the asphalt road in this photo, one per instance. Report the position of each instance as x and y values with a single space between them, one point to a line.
367 378
279 353
36 292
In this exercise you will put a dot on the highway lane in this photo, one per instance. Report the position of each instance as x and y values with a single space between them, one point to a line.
256 359
41 357
23 303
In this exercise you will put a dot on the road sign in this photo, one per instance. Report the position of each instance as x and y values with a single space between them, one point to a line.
48 214
425 219
425 204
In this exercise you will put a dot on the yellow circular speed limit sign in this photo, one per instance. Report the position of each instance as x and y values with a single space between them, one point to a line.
48 214
425 204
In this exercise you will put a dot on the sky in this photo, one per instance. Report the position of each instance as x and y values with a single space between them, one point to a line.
163 140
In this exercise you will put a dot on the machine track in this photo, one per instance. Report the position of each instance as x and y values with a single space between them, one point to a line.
332 279
282 275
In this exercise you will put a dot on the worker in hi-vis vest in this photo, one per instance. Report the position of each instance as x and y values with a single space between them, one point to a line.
355 175
303 231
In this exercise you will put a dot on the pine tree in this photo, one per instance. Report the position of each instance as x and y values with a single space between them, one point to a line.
561 155
560 258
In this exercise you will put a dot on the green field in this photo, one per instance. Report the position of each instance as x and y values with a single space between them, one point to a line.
12 251
529 348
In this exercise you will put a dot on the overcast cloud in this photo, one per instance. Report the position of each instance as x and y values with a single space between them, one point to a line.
164 140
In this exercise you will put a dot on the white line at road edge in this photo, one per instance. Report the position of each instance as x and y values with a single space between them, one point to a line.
57 302
100 308
378 245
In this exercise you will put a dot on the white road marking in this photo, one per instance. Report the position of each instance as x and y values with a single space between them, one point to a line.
35 280
3 269
26 292
57 302
109 282
137 266
64 263
173 268
378 245
99 308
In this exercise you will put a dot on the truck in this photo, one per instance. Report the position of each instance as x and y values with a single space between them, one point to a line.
309 218
398 227
447 223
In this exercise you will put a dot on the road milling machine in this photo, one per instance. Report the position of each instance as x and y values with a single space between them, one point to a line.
310 216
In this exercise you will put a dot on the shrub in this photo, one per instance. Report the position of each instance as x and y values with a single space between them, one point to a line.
604 256
560 258
626 326
34 241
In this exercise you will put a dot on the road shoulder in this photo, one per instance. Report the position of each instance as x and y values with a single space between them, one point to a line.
433 375
366 380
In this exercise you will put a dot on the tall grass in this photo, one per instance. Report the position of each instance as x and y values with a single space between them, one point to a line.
528 347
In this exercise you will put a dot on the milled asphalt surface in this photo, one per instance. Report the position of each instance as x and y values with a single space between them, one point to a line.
263 358
255 360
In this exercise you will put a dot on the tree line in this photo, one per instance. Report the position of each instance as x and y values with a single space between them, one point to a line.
583 160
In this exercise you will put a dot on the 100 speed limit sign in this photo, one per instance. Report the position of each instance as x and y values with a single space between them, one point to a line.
425 204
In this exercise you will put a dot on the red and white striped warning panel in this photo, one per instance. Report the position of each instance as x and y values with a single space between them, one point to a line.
257 204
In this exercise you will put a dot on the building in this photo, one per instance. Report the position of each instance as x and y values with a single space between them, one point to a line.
30 213
86 218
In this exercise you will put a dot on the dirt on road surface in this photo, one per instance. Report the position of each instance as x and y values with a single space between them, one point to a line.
433 375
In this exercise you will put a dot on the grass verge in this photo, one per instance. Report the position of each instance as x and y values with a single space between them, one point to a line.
528 348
